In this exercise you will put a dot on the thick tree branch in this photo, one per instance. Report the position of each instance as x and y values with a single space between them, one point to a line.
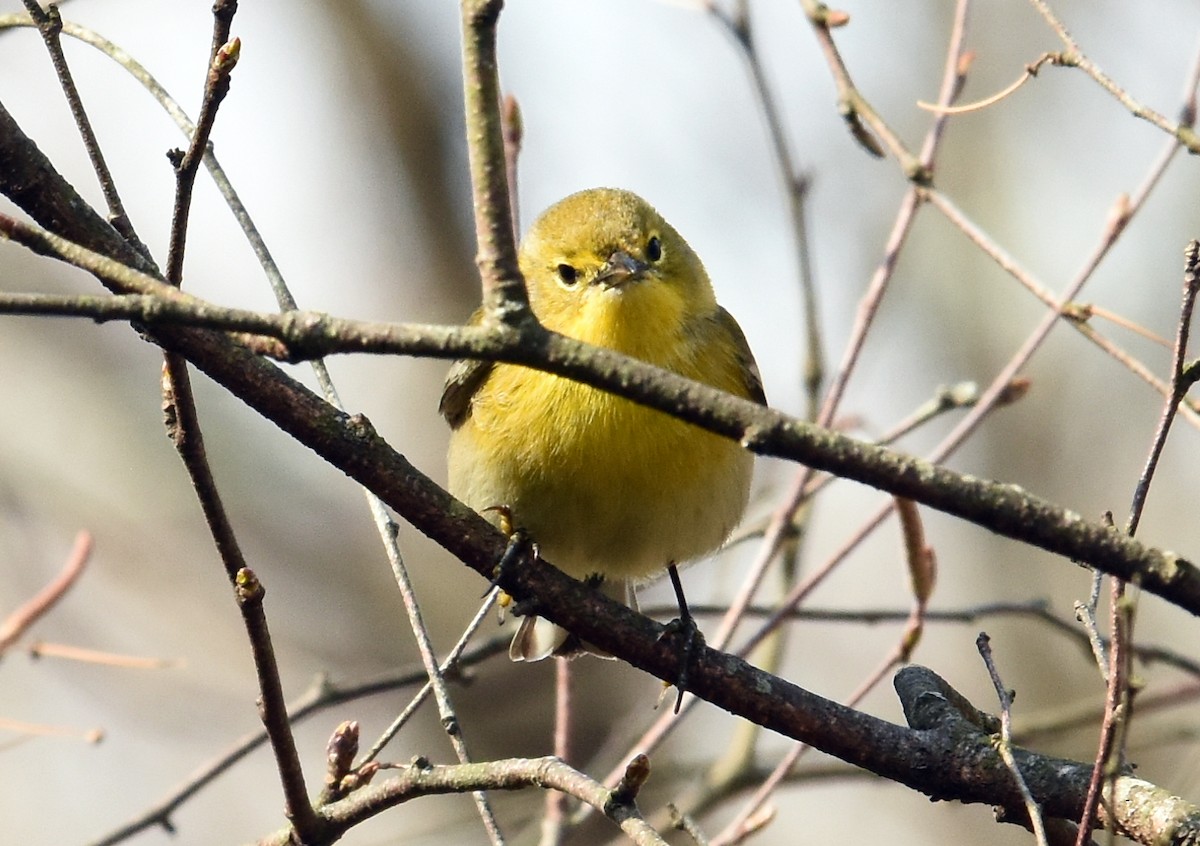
1004 509
915 758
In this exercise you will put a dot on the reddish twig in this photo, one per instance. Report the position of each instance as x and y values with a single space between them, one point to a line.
1118 698
19 621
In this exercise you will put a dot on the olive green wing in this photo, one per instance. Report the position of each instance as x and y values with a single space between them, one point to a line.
751 378
463 381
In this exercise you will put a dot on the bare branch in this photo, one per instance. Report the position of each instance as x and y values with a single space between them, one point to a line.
19 620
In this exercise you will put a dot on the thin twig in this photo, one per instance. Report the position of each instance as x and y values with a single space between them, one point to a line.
1189 408
43 649
1118 701
780 528
188 128
1089 310
740 750
45 730
795 183
1004 746
922 571
979 105
29 612
1182 133
183 426
1086 615
441 692
1180 385
1107 760
322 695
1112 230
272 708
1035 609
1090 715
514 133
554 814
187 164
854 108
50 25
450 663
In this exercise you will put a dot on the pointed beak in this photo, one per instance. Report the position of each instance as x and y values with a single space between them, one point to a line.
619 269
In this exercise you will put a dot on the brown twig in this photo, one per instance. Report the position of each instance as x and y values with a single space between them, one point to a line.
1035 609
687 824
1090 715
20 619
437 683
49 24
187 164
781 528
1182 133
1107 764
424 779
855 109
322 695
183 426
504 296
737 24
1125 212
272 709
1180 384
984 644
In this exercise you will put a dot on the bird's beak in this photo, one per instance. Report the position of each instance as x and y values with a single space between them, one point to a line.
619 269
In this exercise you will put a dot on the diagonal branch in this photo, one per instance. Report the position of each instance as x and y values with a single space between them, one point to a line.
902 754
1005 509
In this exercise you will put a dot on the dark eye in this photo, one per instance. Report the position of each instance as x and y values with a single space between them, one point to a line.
567 274
653 249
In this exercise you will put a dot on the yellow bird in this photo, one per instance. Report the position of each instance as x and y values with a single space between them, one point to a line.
611 491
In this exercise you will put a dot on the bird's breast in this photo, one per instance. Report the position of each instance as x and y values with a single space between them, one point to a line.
602 484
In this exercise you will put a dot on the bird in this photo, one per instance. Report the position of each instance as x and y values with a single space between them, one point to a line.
610 491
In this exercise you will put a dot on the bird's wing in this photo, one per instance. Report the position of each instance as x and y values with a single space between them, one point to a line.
753 379
464 380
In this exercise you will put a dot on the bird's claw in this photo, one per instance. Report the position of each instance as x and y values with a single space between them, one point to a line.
692 640
519 544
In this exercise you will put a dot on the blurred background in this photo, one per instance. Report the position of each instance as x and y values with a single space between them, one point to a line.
343 133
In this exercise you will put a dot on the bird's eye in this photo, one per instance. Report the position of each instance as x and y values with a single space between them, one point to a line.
568 274
653 249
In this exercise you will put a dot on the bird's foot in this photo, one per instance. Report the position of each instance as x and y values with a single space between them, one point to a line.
691 641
